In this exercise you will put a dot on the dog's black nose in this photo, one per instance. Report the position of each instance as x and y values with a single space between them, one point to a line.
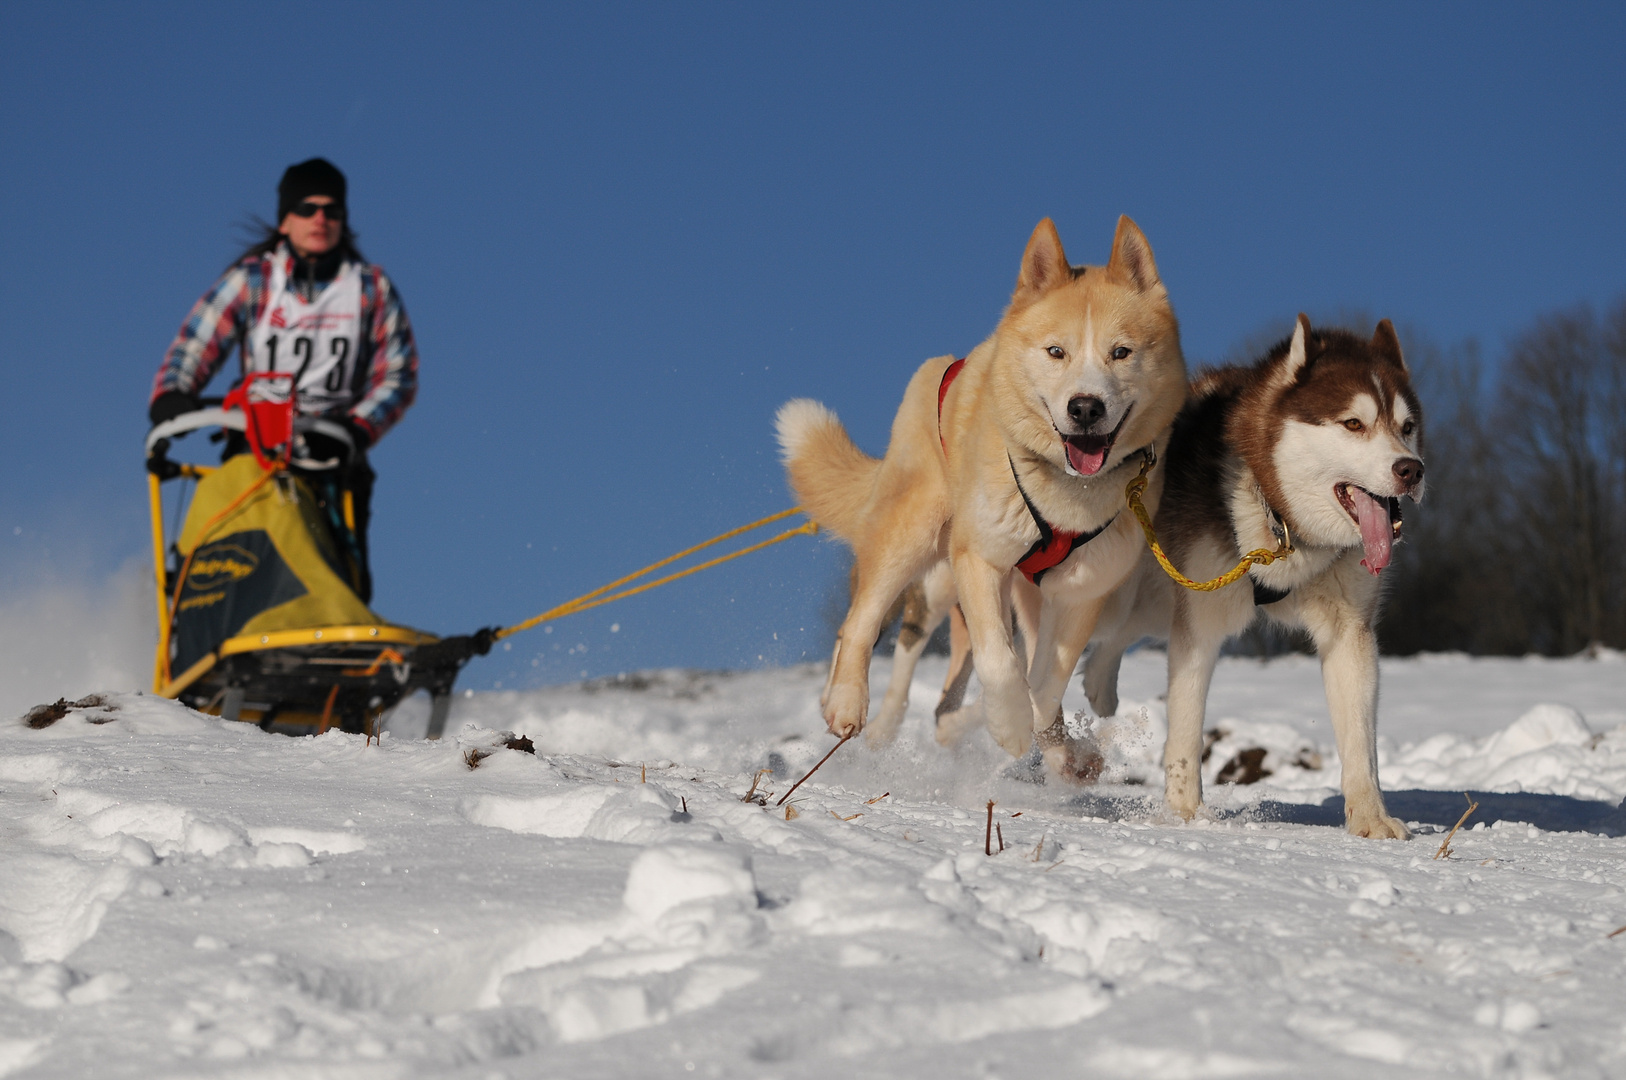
1085 411
1409 471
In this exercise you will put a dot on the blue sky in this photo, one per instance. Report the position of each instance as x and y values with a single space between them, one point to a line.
626 233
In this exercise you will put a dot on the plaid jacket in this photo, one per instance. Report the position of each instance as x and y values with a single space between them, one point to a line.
228 312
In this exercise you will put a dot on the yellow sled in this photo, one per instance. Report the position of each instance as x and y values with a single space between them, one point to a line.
258 616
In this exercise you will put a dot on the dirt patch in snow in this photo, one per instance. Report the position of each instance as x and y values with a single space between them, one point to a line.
100 711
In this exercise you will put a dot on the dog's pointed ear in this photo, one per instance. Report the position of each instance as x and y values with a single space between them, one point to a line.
1132 256
1386 343
1044 265
1298 350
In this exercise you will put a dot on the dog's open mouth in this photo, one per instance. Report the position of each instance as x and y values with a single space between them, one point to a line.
1086 454
1378 519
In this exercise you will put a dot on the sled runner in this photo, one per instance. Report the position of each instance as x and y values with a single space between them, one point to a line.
258 613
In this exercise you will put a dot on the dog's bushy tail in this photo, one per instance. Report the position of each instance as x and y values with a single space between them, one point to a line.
832 478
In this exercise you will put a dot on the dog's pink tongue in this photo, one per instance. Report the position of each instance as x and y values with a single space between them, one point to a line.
1086 462
1377 535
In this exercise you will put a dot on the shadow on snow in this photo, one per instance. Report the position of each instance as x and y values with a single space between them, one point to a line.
1550 813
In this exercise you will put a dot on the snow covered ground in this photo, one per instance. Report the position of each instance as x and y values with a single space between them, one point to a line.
185 897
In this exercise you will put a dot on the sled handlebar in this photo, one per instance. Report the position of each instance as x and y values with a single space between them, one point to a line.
233 420
158 438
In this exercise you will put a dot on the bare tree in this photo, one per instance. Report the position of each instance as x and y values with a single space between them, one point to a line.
1521 546
1553 414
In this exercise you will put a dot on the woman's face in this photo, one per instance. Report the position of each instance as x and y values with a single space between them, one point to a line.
316 234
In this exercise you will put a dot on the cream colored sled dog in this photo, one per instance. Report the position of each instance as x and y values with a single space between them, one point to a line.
1318 440
1020 456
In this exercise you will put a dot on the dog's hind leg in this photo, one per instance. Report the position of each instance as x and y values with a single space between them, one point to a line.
1140 608
953 716
830 676
959 669
913 633
835 652
925 604
883 573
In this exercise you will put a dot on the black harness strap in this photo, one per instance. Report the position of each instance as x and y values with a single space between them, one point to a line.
1264 595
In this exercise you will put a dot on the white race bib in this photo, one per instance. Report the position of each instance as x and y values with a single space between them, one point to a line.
319 342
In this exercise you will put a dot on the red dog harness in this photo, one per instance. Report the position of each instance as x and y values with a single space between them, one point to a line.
1053 545
949 375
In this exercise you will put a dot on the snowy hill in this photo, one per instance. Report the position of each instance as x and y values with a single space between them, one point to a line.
185 897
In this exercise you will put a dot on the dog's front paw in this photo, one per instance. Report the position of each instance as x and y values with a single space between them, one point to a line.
1070 760
883 727
1369 819
953 725
881 731
1010 717
1182 790
1075 761
1184 809
844 711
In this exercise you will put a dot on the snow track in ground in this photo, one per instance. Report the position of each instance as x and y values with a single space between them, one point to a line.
185 897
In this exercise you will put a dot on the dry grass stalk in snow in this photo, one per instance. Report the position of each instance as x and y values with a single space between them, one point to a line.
752 796
1445 845
815 768
988 832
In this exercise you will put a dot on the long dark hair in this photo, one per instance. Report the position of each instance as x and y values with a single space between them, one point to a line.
265 237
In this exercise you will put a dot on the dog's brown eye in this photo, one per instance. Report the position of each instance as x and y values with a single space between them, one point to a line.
1408 427
1121 352
1057 351
1354 424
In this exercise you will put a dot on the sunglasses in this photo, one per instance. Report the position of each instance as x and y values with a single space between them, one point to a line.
334 211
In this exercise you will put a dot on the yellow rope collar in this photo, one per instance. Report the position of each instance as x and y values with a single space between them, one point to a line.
1257 556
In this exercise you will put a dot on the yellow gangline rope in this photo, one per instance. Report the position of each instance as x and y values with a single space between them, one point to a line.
605 594
1258 555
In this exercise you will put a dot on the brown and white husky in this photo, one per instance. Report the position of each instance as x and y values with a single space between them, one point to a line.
1012 461
1317 441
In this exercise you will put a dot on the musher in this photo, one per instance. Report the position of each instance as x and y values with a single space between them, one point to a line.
302 299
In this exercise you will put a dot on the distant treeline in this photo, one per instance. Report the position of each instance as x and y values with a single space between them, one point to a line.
1520 544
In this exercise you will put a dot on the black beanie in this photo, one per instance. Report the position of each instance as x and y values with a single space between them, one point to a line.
318 176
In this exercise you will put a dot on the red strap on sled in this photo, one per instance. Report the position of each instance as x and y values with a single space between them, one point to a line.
949 375
267 401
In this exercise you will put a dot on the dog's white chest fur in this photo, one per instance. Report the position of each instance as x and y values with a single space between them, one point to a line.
1254 525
